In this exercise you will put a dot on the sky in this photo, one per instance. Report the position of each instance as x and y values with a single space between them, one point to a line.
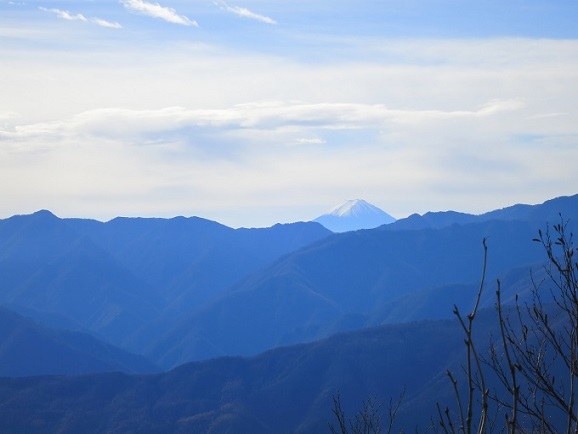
254 112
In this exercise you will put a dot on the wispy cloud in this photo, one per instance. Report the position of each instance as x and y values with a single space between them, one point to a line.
250 152
66 15
418 123
310 141
277 117
105 23
244 12
155 10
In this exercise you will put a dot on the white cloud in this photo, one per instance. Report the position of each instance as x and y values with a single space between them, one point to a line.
138 162
134 125
155 10
244 12
310 141
105 23
66 15
467 124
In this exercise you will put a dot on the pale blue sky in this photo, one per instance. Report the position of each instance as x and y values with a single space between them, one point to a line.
255 112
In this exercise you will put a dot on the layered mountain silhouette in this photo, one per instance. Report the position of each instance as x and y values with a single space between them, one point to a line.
343 283
128 280
183 289
358 279
276 320
30 348
283 390
354 215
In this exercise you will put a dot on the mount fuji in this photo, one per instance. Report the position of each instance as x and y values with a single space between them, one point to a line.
353 215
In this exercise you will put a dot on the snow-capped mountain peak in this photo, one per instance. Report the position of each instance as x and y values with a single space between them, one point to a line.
354 207
353 215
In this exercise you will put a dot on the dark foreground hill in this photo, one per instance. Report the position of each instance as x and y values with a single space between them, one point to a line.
287 390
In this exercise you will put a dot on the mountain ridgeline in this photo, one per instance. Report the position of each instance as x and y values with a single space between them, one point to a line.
256 328
127 278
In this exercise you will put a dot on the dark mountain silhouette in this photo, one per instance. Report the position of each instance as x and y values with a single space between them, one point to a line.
280 391
283 390
28 348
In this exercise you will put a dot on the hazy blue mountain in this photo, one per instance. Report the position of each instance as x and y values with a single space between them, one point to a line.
344 282
357 279
293 290
128 280
187 289
432 220
281 391
188 261
46 266
29 348
183 258
548 211
354 215
438 302
285 390
27 242
160 250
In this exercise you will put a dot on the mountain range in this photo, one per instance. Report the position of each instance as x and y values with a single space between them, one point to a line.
121 278
275 321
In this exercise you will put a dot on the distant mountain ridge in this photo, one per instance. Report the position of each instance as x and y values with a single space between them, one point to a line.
127 280
342 283
551 210
353 280
354 215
